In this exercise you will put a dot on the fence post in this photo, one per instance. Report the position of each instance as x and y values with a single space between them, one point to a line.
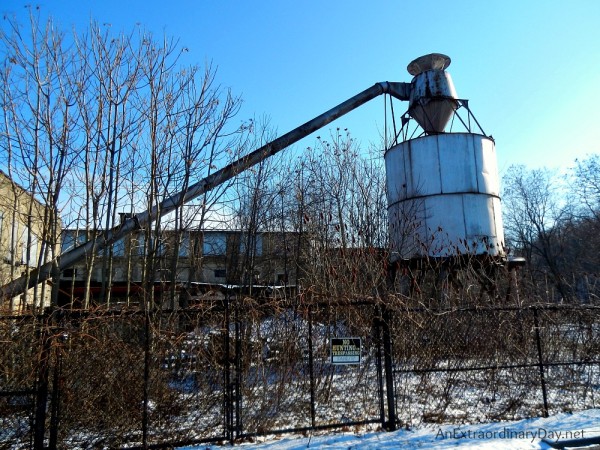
238 370
146 387
55 407
56 384
311 372
228 400
389 373
378 358
41 400
540 359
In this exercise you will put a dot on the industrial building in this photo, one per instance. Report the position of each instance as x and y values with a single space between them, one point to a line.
23 235
182 264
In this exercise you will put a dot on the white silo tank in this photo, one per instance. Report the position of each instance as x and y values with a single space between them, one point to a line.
443 197
443 188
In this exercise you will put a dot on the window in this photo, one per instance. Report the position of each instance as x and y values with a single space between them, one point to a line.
161 247
215 244
282 278
119 248
1 236
33 250
140 241
34 253
255 241
69 273
13 255
220 273
184 246
154 247
72 238
118 274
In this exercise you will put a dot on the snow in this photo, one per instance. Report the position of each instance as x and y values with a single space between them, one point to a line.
522 434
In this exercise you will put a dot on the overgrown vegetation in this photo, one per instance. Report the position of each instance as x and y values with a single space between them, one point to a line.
98 124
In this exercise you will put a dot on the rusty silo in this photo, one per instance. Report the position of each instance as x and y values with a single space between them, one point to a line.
443 187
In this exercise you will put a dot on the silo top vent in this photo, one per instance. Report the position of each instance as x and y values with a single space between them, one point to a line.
433 61
432 95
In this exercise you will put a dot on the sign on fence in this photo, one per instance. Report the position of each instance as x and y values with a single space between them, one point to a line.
345 350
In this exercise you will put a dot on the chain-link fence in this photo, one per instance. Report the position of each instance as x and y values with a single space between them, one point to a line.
224 371
20 352
239 367
484 364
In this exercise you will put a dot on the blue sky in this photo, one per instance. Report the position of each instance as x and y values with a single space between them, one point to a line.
531 69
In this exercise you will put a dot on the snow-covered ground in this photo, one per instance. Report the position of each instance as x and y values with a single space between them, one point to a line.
522 434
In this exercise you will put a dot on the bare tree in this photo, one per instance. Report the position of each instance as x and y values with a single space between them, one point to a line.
98 124
535 219
344 213
255 192
40 114
587 183
199 141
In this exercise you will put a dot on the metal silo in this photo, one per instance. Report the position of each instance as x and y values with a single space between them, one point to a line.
443 187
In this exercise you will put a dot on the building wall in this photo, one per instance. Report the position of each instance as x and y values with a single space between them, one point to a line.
21 242
210 256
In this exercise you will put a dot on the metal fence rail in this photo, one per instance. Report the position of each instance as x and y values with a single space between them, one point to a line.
238 368
495 363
